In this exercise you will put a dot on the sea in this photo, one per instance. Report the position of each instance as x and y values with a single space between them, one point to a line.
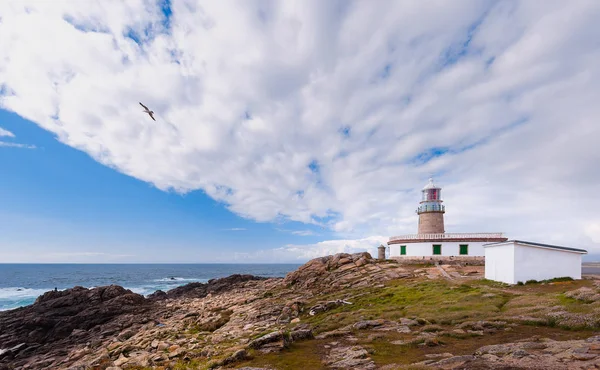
21 284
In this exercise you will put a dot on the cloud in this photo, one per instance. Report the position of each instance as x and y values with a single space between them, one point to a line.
303 232
301 253
235 229
86 254
16 145
332 113
592 230
4 132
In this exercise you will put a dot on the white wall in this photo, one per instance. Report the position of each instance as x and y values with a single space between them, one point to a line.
512 262
448 249
499 263
540 263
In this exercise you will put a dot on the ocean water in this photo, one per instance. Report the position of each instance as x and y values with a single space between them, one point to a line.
21 284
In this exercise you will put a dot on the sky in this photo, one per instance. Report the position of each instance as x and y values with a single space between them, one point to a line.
288 130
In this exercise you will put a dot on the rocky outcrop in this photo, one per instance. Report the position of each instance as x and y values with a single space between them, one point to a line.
200 290
59 320
343 270
532 354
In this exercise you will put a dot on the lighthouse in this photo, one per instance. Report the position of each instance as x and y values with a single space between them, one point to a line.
432 241
431 210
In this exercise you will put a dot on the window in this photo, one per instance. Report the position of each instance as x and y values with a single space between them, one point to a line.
464 249
437 249
403 250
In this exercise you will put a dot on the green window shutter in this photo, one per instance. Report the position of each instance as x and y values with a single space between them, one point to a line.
464 249
437 249
403 250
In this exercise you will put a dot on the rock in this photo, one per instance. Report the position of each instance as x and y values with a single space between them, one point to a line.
199 290
301 334
334 334
584 356
122 360
239 355
367 324
320 272
326 306
456 362
295 321
276 336
520 353
355 357
61 320
126 334
408 322
584 294
438 355
403 329
432 328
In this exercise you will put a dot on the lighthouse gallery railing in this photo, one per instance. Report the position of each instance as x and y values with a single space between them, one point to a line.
446 236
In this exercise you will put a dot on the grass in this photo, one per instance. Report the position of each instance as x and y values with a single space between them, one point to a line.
432 301
300 355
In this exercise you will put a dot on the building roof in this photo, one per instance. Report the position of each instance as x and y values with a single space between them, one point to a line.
532 244
431 185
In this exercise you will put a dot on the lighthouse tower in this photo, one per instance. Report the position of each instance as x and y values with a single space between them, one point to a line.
431 211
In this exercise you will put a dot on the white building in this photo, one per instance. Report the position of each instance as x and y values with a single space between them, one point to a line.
431 241
516 261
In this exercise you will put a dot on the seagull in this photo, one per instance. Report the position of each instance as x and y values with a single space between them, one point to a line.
146 110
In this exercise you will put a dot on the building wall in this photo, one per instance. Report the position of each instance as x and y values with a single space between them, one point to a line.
431 223
448 249
533 263
500 263
511 263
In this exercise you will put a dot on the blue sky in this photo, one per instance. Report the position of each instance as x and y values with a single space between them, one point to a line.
61 205
290 130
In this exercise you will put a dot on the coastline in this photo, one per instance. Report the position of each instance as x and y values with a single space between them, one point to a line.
21 284
342 311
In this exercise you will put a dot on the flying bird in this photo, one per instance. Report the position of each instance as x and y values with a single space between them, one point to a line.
146 110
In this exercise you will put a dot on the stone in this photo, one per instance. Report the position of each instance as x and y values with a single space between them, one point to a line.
295 321
114 345
438 355
367 324
301 334
126 334
584 356
239 355
122 360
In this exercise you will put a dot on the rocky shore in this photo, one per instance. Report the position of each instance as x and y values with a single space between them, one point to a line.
336 312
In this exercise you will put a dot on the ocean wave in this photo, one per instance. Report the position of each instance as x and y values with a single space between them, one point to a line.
19 293
175 279
14 297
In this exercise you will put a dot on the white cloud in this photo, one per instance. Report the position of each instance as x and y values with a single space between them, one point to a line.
303 232
248 94
235 229
16 145
592 230
4 132
302 253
